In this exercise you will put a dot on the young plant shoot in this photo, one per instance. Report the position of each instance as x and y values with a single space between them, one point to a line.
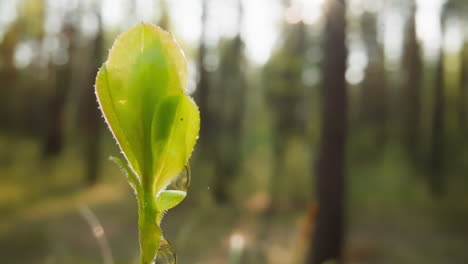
140 89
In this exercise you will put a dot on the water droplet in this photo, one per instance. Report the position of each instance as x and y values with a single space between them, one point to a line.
182 181
166 254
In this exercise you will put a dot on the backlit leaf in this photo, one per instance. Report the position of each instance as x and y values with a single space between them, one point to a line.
141 93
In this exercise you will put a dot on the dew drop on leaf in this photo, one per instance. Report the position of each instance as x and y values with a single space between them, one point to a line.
182 181
166 254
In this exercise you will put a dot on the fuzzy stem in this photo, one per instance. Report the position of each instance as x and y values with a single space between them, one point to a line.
150 232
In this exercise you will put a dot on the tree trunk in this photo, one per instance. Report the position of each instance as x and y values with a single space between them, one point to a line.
90 115
463 110
437 144
328 237
8 73
202 92
286 98
374 102
412 65
164 19
54 137
230 115
437 154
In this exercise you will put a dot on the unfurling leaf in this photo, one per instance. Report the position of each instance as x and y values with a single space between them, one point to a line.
141 92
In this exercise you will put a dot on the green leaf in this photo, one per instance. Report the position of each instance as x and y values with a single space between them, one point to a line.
169 199
141 93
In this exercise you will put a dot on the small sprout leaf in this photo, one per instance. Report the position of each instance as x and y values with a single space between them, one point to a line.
132 178
169 198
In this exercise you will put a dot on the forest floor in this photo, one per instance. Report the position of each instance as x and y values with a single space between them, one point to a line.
40 221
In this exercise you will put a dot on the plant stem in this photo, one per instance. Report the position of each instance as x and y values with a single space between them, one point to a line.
150 232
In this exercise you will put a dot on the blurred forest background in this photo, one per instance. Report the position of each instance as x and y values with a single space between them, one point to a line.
329 130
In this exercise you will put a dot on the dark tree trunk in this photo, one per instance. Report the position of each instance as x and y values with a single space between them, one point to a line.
8 73
438 126
412 65
437 155
164 19
89 114
54 134
228 159
374 111
328 238
231 105
285 96
203 90
463 110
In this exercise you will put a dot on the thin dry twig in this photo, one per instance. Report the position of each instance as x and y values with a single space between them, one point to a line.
98 233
